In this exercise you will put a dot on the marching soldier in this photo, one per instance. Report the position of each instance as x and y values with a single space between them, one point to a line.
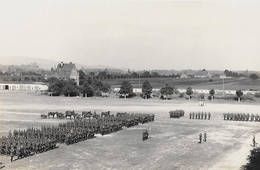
205 116
190 115
199 115
209 116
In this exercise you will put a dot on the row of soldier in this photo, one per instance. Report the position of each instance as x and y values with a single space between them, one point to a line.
241 117
200 115
176 113
22 143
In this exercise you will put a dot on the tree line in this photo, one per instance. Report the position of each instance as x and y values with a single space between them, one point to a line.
106 75
68 87
126 90
147 74
93 87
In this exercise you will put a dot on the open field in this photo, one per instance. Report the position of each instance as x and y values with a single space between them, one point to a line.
196 83
173 143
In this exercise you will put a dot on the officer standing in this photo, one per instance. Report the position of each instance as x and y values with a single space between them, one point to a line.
12 153
254 141
200 137
205 136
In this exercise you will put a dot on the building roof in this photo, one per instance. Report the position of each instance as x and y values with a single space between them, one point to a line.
64 69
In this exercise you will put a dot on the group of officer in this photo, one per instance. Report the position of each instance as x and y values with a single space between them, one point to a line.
241 117
200 115
204 137
23 143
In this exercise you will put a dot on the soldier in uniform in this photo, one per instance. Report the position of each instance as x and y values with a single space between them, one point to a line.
199 115
254 141
12 153
205 136
145 134
200 137
252 117
205 116
190 115
209 116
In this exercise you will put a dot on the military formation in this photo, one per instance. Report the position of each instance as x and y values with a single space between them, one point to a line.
241 117
23 143
200 115
176 113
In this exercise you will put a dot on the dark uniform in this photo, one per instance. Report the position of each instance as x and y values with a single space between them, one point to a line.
205 136
200 137
254 141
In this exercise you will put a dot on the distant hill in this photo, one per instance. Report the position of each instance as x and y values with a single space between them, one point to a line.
42 63
46 63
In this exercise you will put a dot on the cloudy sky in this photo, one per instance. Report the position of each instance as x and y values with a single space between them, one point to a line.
134 34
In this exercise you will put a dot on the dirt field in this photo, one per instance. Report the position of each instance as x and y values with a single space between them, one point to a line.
173 143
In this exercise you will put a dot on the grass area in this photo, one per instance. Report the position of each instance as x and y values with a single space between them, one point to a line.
173 143
203 83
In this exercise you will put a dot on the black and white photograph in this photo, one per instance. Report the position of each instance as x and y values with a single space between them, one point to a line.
129 84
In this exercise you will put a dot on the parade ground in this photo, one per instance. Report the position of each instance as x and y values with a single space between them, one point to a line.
173 143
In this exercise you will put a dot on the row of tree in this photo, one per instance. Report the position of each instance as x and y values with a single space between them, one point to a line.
106 75
89 88
126 90
92 87
146 74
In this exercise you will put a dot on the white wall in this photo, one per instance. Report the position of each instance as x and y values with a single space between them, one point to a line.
24 87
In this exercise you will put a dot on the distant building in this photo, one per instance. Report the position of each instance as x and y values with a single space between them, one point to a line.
202 74
66 71
23 87
223 76
183 75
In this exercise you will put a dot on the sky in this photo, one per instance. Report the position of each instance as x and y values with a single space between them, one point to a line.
187 34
